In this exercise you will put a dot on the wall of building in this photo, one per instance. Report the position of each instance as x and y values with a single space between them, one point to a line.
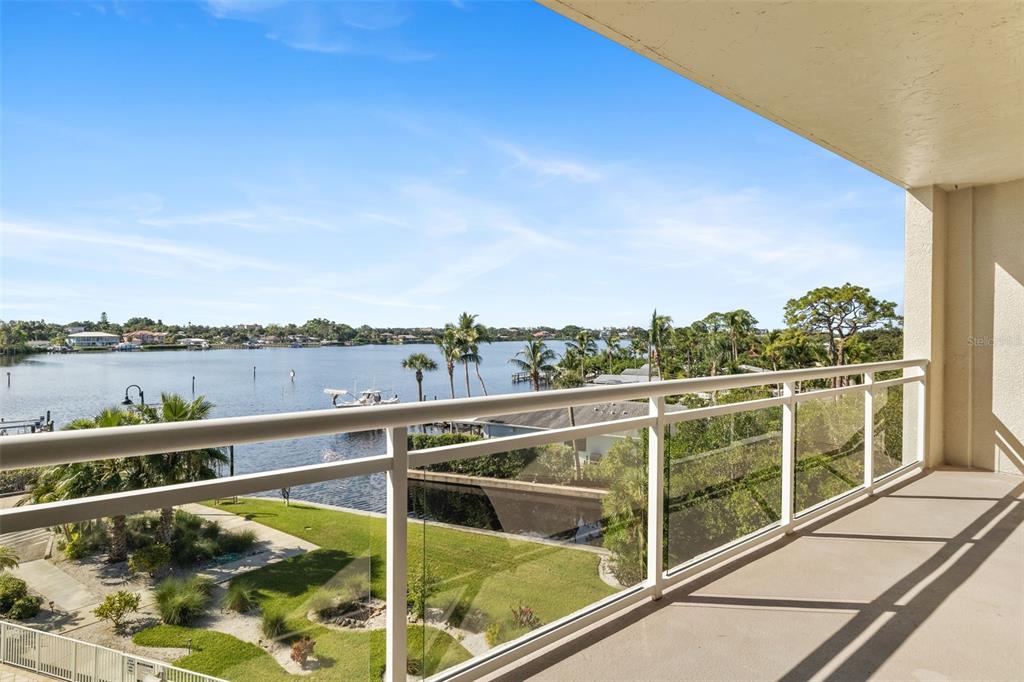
972 298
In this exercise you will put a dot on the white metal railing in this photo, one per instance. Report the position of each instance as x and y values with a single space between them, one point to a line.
70 659
86 445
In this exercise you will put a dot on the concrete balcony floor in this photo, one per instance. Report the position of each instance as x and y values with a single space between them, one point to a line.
923 582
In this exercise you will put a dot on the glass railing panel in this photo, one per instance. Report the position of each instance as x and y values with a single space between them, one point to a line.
521 539
888 433
722 480
261 586
829 448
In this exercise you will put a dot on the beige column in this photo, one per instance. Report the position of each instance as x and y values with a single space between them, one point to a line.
924 304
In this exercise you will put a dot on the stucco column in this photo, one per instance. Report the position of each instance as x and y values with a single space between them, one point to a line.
924 304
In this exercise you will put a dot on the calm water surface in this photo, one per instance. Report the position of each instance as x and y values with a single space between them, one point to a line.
82 384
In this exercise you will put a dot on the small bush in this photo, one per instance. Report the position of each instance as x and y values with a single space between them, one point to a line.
180 602
150 559
302 650
204 585
524 617
240 597
25 607
82 541
493 634
117 607
11 590
236 542
273 624
422 587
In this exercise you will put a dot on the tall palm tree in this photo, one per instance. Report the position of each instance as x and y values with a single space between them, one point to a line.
657 336
186 466
420 363
535 358
448 343
740 324
584 346
638 343
471 334
100 477
611 349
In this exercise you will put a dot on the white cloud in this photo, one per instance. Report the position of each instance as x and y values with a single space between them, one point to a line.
550 166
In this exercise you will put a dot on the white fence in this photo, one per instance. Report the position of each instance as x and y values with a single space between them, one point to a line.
69 659
792 390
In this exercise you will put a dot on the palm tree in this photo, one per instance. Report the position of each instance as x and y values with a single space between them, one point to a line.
584 346
657 335
535 358
471 335
8 558
611 349
740 324
85 479
638 343
186 466
448 344
421 363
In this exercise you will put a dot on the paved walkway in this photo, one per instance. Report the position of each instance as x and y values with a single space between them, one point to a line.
925 582
55 585
11 674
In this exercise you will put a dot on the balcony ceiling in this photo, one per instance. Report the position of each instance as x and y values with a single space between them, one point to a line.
918 92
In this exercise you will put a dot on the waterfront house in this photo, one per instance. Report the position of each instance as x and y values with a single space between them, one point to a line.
144 337
93 340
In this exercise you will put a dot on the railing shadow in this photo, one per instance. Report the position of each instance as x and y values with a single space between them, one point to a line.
958 558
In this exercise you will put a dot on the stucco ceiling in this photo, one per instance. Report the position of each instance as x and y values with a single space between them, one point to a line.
919 92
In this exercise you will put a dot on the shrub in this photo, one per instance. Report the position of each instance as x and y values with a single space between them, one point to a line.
493 634
422 587
82 540
236 542
8 557
117 607
240 597
524 617
25 607
422 441
150 559
302 650
11 590
273 624
180 602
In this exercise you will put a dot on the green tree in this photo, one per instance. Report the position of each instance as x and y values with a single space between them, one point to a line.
117 607
584 346
419 363
448 344
838 314
535 359
657 338
740 325
186 466
85 479
470 335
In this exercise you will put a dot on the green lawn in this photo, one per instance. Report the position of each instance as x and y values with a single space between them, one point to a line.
479 579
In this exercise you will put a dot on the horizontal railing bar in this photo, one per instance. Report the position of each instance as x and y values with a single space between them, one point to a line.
830 392
889 383
28 450
135 501
493 446
720 410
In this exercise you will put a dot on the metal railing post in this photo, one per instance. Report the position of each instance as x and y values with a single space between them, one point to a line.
656 496
397 555
869 432
788 454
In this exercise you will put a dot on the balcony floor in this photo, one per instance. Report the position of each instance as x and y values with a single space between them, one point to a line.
925 582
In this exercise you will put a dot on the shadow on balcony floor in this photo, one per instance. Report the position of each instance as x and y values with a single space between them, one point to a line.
924 582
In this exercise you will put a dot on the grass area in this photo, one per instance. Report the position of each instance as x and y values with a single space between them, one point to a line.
342 655
479 578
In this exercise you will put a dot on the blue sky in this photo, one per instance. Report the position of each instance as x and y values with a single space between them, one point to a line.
395 164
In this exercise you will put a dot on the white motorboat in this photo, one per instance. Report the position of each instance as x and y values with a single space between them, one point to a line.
367 398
